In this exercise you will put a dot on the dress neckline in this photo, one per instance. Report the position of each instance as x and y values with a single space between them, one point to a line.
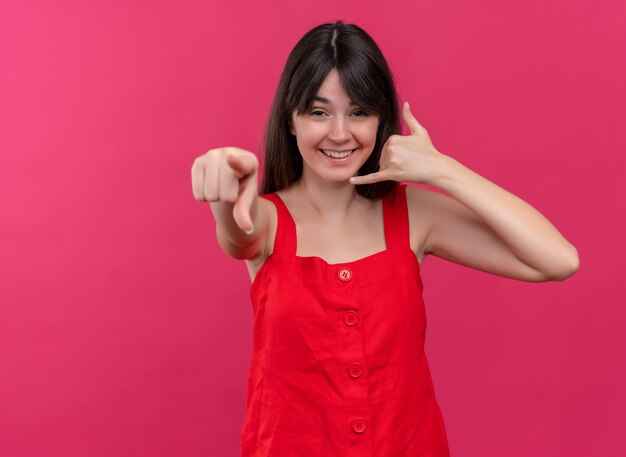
397 240
319 259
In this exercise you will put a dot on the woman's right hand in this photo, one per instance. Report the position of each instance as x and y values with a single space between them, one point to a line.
227 175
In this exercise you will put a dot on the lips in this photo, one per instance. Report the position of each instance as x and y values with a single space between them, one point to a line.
337 154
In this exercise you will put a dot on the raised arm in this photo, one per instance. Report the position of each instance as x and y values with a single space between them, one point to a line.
482 226
227 178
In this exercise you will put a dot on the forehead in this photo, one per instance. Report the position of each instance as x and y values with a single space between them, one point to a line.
317 98
332 91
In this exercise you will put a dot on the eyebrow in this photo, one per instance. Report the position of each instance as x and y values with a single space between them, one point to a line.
325 100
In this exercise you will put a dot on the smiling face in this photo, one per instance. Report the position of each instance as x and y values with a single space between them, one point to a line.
335 137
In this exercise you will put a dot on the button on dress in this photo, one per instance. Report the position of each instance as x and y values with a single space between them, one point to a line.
338 365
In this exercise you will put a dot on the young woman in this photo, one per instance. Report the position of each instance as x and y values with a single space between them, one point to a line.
334 246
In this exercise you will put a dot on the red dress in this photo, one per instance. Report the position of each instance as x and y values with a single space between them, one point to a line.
338 365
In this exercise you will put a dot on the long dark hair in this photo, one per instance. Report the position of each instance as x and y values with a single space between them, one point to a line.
366 78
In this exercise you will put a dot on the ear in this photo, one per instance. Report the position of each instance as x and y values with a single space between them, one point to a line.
291 129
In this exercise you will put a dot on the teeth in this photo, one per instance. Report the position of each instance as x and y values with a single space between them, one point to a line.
336 154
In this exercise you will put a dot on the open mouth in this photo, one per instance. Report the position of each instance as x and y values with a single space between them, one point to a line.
337 154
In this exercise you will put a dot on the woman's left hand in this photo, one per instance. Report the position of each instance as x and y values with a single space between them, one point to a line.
410 158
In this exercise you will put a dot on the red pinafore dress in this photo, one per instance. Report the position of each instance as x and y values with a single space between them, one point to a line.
338 366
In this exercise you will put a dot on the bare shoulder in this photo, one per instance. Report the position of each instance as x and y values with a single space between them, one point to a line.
256 262
422 207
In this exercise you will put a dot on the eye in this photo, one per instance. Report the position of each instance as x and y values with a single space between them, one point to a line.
360 113
317 113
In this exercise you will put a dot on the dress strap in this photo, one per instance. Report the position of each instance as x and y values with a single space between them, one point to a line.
285 240
396 217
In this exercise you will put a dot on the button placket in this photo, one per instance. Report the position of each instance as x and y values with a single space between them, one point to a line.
355 369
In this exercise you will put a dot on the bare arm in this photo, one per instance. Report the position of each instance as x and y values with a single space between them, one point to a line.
234 241
491 227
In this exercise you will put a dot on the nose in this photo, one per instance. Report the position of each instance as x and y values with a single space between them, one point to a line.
339 131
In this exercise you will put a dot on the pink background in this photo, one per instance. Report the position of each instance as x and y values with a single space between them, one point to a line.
125 331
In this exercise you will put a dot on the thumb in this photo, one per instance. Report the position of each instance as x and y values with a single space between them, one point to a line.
410 120
370 178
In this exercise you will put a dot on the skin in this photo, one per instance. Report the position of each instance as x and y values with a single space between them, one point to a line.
480 225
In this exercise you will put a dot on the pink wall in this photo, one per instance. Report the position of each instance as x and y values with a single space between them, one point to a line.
125 331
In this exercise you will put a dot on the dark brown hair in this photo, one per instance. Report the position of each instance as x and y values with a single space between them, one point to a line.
364 75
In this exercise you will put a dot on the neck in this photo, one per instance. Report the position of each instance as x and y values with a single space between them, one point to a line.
328 200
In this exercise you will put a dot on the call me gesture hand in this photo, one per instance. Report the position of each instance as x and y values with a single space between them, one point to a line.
410 158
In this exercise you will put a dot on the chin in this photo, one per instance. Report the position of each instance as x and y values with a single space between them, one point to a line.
338 177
